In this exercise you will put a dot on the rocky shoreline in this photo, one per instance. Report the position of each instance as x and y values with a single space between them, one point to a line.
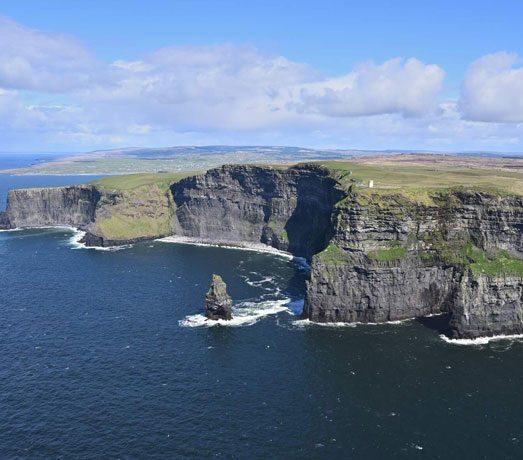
375 255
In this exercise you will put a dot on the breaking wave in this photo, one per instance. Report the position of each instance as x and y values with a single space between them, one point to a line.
480 340
243 314
75 242
255 247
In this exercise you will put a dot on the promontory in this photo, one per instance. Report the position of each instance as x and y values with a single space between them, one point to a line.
387 238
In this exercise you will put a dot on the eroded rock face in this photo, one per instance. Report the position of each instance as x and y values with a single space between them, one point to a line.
487 306
377 292
289 209
376 255
218 304
109 218
72 205
426 276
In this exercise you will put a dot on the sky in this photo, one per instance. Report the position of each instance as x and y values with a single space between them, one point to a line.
414 75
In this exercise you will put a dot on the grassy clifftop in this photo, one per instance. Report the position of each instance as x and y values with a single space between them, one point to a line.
136 205
140 205
133 181
414 175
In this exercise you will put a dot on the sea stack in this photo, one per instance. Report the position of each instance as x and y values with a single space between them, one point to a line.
218 304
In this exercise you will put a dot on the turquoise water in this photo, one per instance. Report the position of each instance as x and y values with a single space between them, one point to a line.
105 354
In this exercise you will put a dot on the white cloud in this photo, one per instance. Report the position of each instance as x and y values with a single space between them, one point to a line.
492 89
409 88
227 87
54 92
211 87
30 59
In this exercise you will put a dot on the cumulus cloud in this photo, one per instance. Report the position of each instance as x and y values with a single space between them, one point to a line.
231 87
492 89
210 86
410 88
55 91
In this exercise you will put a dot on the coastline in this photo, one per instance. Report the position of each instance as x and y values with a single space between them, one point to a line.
255 247
480 340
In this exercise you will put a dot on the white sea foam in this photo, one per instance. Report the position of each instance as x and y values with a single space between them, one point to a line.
260 283
41 227
255 247
480 340
243 314
308 322
75 242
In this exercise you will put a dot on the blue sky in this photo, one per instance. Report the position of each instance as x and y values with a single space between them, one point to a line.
437 75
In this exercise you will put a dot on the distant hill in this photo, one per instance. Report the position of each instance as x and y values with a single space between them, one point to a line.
192 158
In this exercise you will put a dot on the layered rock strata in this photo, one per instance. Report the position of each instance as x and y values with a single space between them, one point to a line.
287 208
376 255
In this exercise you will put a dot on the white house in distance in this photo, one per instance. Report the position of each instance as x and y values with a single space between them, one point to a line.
371 183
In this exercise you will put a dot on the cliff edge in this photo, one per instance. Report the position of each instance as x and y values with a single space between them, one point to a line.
378 254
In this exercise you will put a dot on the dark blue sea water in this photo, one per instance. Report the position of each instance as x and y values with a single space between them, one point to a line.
103 355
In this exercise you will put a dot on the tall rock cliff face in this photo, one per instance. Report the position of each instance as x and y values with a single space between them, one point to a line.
487 305
73 205
109 217
376 254
289 209
393 257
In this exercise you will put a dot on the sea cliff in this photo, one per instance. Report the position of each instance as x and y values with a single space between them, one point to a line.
376 255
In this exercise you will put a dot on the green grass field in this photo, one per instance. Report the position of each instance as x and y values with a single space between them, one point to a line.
430 176
132 181
414 181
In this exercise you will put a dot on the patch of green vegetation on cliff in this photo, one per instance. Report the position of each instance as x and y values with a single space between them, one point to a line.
454 252
385 255
132 181
465 255
276 226
494 265
401 177
131 213
124 227
333 255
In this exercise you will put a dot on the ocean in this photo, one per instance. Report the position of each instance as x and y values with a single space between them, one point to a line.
105 354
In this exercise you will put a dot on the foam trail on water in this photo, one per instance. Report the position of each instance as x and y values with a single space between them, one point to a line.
308 322
480 340
255 247
75 239
243 314
262 283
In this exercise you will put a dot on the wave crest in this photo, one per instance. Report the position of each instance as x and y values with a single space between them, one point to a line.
243 314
